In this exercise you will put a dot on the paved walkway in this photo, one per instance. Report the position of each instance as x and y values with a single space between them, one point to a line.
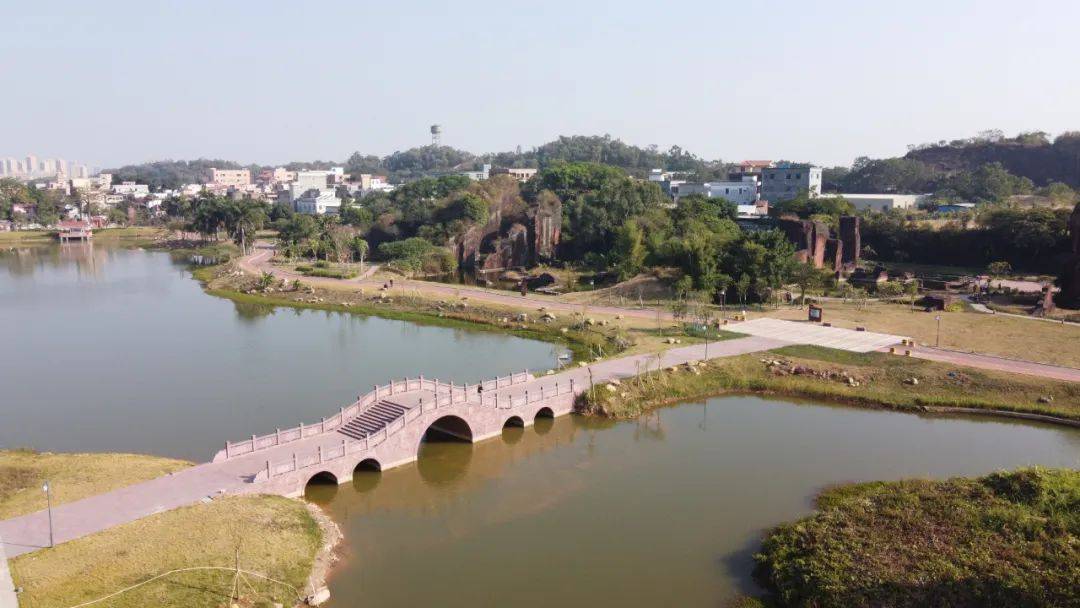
1000 364
7 588
202 482
818 335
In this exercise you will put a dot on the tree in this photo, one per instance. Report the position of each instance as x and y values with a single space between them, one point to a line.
243 218
360 249
629 252
742 287
342 239
808 277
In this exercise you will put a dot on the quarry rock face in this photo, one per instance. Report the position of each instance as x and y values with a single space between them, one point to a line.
1070 275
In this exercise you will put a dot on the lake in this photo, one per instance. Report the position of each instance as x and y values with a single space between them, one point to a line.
109 349
118 350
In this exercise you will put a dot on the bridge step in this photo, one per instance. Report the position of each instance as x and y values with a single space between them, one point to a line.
373 419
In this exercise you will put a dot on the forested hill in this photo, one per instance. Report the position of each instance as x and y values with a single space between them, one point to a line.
603 149
169 173
427 160
1029 155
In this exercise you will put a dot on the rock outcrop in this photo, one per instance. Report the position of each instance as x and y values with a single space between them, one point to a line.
1070 274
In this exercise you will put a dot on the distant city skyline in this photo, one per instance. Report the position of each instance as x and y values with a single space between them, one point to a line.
34 166
821 83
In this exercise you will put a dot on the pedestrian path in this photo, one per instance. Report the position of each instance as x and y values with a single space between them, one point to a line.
818 335
7 587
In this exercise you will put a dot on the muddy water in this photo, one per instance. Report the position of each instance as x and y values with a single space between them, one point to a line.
664 510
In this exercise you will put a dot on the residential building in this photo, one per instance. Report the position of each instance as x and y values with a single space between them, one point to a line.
520 174
235 178
785 182
884 202
31 165
276 176
478 176
131 189
741 192
318 202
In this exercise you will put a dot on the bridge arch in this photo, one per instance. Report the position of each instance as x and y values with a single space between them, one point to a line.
368 464
544 412
513 422
448 428
321 486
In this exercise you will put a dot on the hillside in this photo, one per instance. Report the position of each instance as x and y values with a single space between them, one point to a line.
1041 161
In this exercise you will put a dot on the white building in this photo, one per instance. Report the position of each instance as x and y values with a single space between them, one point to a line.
131 189
318 202
785 182
742 192
478 176
884 202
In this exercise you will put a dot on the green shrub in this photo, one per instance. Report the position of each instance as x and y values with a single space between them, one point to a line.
322 264
1007 539
328 273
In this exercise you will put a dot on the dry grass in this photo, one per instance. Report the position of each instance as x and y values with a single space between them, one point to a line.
882 381
1027 339
72 476
276 536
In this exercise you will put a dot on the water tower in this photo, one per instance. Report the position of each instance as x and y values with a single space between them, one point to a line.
436 135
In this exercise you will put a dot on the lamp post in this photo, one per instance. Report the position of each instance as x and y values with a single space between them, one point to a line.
48 501
937 341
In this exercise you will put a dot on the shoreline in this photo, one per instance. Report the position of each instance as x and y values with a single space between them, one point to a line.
327 556
753 375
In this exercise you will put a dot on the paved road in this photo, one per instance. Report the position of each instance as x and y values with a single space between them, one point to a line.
80 518
1001 364
7 588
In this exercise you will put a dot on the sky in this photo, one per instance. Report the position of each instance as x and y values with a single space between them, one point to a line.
121 81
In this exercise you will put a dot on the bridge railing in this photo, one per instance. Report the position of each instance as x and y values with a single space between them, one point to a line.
394 387
445 395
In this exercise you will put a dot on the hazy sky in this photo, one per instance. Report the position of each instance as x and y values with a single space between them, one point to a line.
111 82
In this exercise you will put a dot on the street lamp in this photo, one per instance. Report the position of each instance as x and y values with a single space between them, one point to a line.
937 342
48 501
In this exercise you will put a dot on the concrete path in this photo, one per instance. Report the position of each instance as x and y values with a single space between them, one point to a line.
202 482
1000 364
818 335
8 599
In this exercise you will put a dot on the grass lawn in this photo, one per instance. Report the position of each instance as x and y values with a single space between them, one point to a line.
72 476
1007 539
608 333
129 232
1027 339
276 536
26 236
881 380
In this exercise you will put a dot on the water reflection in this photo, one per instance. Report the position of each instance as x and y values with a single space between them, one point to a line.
144 347
621 513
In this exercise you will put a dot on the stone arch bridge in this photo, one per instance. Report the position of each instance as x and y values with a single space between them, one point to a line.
384 428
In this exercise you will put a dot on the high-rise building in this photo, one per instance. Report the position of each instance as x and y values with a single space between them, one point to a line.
32 164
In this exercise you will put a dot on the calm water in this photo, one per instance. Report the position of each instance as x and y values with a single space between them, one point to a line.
667 510
107 349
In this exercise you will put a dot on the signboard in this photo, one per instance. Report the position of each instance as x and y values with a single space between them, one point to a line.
815 314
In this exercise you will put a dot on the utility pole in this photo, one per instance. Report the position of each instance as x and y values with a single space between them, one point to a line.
48 501
937 342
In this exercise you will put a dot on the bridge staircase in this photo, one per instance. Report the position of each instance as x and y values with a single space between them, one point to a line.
373 419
